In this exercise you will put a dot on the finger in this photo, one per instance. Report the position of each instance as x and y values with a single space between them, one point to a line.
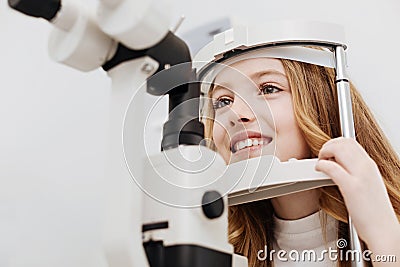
345 143
337 173
338 153
334 141
346 152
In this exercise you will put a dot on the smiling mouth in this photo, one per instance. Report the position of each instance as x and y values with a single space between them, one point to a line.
250 142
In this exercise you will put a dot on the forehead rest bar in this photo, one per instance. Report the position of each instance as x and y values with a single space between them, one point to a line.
280 39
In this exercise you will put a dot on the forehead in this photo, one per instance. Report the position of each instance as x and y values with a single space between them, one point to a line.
250 68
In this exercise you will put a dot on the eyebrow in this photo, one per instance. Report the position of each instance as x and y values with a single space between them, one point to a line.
256 75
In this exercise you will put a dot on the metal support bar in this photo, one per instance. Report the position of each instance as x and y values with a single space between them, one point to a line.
347 127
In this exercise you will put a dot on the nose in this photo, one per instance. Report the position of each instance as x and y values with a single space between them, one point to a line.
241 112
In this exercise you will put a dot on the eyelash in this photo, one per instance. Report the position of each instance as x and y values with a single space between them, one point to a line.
269 86
217 103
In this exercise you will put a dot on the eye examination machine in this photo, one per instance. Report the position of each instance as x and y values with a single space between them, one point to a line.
176 213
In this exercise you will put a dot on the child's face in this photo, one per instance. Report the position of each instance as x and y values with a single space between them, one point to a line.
254 112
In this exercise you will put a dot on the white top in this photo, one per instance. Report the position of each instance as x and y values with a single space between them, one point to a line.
301 238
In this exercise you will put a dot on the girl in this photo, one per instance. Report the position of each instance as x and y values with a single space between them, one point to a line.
303 122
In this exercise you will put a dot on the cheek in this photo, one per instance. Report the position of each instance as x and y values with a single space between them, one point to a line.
218 135
286 126
291 142
283 115
285 123
221 141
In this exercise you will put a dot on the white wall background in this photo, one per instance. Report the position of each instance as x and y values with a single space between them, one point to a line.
53 120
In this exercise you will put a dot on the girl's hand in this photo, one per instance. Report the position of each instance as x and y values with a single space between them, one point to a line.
363 190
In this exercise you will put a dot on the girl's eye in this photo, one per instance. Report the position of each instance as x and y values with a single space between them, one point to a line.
221 102
269 89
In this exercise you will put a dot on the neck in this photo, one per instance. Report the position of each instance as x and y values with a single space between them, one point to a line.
297 205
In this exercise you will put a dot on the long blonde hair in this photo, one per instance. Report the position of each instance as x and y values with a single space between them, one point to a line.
316 111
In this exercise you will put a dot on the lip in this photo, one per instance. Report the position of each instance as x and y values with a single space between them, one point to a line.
245 135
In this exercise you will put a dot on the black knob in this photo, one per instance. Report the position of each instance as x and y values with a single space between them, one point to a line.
46 9
212 204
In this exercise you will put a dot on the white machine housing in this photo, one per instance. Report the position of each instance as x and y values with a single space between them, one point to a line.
136 24
77 41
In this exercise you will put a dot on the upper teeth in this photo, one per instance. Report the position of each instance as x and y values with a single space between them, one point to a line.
247 143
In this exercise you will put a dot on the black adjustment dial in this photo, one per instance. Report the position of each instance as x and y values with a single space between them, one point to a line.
212 204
